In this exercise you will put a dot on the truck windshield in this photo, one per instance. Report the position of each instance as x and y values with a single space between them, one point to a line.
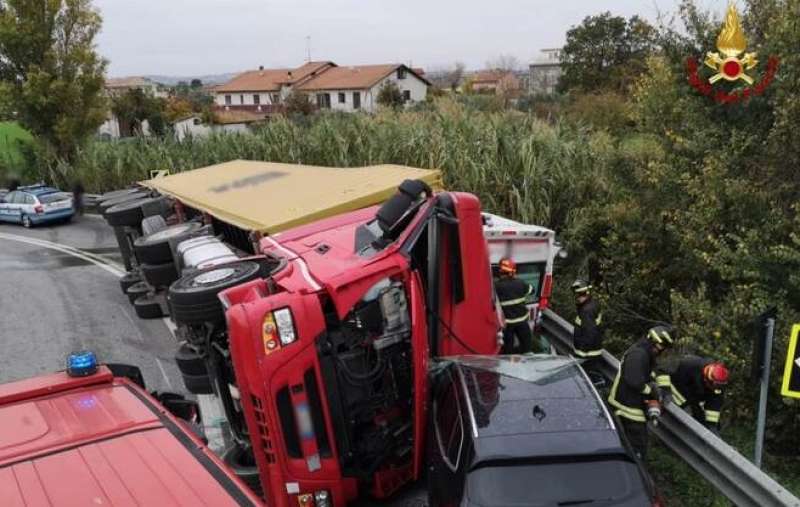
592 483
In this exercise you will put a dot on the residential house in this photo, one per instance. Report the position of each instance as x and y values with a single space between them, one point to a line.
330 86
545 73
500 82
224 121
356 88
115 87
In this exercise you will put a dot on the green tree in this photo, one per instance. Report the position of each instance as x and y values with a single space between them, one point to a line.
606 52
49 66
298 103
390 96
135 106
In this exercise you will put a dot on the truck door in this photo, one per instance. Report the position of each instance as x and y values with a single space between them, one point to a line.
464 309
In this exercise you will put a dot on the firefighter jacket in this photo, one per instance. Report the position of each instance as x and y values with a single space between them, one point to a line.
512 293
588 335
636 382
689 389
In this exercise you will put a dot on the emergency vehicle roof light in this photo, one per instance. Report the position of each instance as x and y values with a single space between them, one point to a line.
81 364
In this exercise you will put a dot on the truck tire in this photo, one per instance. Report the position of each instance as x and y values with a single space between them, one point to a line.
137 290
113 194
189 361
198 384
147 308
103 206
130 278
153 224
128 213
193 298
159 275
155 248
242 463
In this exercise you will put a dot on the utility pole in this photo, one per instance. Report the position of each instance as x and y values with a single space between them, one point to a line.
762 364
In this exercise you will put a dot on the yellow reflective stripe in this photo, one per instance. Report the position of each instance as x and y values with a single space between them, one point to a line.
599 318
652 334
519 319
646 389
530 289
712 416
663 380
634 414
631 415
578 321
589 353
677 397
510 302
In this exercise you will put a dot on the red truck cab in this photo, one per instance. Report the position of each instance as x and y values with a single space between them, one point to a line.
330 352
103 440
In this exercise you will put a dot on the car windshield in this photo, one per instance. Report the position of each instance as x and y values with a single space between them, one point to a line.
53 197
539 368
591 483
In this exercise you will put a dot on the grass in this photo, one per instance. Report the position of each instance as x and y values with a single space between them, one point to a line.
11 135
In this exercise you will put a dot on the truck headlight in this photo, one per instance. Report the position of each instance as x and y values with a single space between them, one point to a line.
285 325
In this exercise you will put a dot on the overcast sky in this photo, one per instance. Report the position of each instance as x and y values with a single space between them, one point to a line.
196 37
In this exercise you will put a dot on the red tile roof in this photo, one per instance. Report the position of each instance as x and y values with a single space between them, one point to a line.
356 77
270 80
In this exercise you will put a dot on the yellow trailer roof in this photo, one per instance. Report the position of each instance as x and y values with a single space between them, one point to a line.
270 197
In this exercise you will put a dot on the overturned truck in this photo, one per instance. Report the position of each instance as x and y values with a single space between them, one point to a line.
316 328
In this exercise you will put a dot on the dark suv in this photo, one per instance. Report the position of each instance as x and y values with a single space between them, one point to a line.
526 431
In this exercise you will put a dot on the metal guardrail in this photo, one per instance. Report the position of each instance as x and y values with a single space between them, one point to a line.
720 464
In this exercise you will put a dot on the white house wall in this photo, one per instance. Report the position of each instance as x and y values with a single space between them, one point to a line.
417 87
244 98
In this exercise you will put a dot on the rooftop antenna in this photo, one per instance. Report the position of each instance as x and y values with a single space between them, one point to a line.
308 48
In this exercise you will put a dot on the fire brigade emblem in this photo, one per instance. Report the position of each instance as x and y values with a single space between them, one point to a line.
731 43
732 63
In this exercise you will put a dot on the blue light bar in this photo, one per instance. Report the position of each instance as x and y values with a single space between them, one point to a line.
81 364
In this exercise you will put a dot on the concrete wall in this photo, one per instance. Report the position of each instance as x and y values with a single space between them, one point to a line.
193 126
244 98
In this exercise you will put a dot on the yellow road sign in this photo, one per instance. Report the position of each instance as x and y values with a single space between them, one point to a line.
791 373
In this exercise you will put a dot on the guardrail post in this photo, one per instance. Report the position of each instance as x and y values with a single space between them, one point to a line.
762 401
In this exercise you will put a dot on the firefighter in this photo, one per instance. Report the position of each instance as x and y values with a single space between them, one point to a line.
587 337
636 390
512 293
697 383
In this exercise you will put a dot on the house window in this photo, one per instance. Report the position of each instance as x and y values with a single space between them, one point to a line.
406 95
356 100
256 99
324 100
401 73
227 100
276 98
341 98
196 121
241 99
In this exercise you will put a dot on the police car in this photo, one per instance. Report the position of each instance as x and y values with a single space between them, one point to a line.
36 204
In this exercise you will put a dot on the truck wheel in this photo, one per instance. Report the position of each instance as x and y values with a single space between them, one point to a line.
198 384
128 213
154 248
147 308
243 464
189 361
136 290
113 194
193 298
129 279
159 275
105 204
153 224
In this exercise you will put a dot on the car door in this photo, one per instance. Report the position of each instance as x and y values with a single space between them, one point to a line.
447 440
7 213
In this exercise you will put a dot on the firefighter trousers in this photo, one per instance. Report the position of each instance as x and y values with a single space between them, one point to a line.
637 436
522 332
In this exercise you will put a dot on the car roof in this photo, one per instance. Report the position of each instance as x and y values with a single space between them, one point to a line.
535 405
102 440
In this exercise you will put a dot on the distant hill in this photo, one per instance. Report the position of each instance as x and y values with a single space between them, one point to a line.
209 79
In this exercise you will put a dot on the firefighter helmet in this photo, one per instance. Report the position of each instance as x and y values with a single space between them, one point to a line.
581 286
715 374
663 335
508 266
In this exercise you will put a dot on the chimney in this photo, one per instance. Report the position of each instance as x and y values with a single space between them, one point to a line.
260 67
290 74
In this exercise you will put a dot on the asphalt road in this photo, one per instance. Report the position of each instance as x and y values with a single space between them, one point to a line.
53 303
